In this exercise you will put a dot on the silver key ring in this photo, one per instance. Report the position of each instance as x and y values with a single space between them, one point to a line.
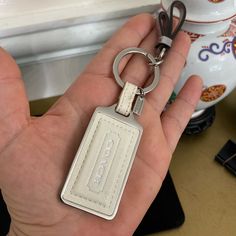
152 61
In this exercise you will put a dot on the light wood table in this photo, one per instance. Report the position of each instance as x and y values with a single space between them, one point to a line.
206 189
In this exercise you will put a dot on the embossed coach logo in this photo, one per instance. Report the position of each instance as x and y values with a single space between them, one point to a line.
103 162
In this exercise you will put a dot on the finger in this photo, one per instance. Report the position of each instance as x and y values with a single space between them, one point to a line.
170 71
130 35
137 69
175 119
13 101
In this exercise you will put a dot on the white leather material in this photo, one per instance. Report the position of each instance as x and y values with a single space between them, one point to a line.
102 164
126 99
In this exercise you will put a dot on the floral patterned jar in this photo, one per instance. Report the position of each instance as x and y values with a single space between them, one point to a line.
213 50
206 11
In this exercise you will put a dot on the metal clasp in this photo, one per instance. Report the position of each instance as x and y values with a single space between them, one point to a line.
159 59
152 61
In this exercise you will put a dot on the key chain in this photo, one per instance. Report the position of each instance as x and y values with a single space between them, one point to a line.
101 167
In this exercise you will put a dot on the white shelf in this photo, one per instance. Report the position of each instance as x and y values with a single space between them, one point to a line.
50 38
23 16
33 31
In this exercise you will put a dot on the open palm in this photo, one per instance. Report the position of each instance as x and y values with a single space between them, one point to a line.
36 153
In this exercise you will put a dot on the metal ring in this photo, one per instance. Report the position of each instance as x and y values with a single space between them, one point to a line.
152 61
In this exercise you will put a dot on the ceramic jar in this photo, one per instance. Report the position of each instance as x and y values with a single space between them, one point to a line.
206 10
213 50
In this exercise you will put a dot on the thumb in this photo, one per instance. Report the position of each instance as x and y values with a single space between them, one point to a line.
14 108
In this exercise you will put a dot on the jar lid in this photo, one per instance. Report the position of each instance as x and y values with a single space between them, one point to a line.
206 11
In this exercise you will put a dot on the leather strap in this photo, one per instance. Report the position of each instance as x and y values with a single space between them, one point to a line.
166 22
126 99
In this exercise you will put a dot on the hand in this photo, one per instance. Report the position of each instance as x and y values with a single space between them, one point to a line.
36 153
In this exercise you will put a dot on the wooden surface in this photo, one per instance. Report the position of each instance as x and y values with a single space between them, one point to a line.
206 189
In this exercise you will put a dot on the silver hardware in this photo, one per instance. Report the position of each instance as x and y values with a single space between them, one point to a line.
139 103
165 40
159 58
151 60
138 106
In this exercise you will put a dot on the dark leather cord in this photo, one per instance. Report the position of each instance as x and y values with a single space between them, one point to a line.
167 27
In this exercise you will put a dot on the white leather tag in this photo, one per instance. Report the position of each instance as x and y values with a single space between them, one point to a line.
126 99
102 164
